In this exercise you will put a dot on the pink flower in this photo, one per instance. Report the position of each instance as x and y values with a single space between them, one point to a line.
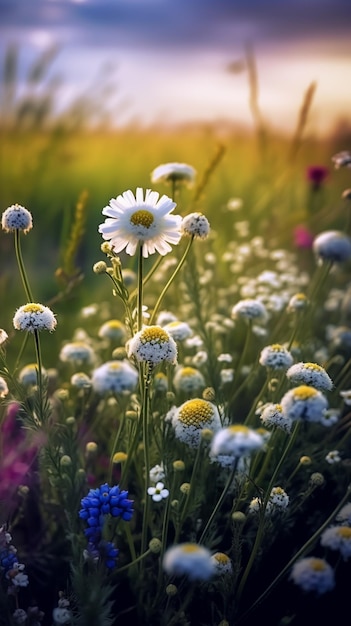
303 238
18 457
316 175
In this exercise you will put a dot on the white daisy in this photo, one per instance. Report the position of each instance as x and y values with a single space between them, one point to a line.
276 357
338 538
236 440
271 415
114 376
178 330
188 380
310 374
153 345
191 418
173 172
32 317
304 403
249 309
223 563
190 560
133 220
76 352
313 574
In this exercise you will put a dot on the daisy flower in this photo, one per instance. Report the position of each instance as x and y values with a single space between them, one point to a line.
236 440
190 560
276 357
28 375
272 415
178 330
133 220
158 492
173 172
304 403
113 330
16 217
32 317
338 538
153 345
76 352
114 376
344 515
249 309
313 574
310 374
191 418
222 563
188 380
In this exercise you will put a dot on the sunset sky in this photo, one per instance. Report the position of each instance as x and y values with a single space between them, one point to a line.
169 59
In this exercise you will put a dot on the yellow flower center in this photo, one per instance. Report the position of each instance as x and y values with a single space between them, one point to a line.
277 491
115 324
142 218
344 532
222 558
196 412
276 347
33 308
318 565
154 334
237 429
188 371
115 366
314 367
304 392
190 547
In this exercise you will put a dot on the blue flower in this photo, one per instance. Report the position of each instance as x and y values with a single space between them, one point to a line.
99 503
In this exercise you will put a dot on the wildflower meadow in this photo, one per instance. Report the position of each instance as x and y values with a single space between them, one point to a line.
175 381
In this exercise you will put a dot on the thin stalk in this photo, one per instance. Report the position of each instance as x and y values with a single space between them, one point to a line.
39 372
145 413
170 281
140 288
21 267
219 502
192 485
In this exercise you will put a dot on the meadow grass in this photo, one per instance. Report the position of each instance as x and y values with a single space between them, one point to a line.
60 438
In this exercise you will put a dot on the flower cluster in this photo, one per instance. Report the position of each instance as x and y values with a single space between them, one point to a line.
96 507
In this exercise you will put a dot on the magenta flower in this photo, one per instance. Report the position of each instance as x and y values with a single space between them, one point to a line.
316 175
303 238
17 459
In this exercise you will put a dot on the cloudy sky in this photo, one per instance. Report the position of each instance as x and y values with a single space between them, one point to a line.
169 59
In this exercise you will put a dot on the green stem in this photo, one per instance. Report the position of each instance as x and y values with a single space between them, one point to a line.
192 491
145 411
169 282
140 288
22 270
219 502
39 373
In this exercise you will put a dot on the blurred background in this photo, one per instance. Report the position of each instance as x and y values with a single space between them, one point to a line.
94 94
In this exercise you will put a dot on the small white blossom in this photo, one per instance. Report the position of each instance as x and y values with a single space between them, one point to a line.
32 317
114 376
173 172
236 440
195 225
272 415
304 403
333 457
338 538
157 473
276 357
158 492
76 352
313 574
178 330
190 560
153 345
191 418
249 309
332 245
223 564
310 374
16 217
342 159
